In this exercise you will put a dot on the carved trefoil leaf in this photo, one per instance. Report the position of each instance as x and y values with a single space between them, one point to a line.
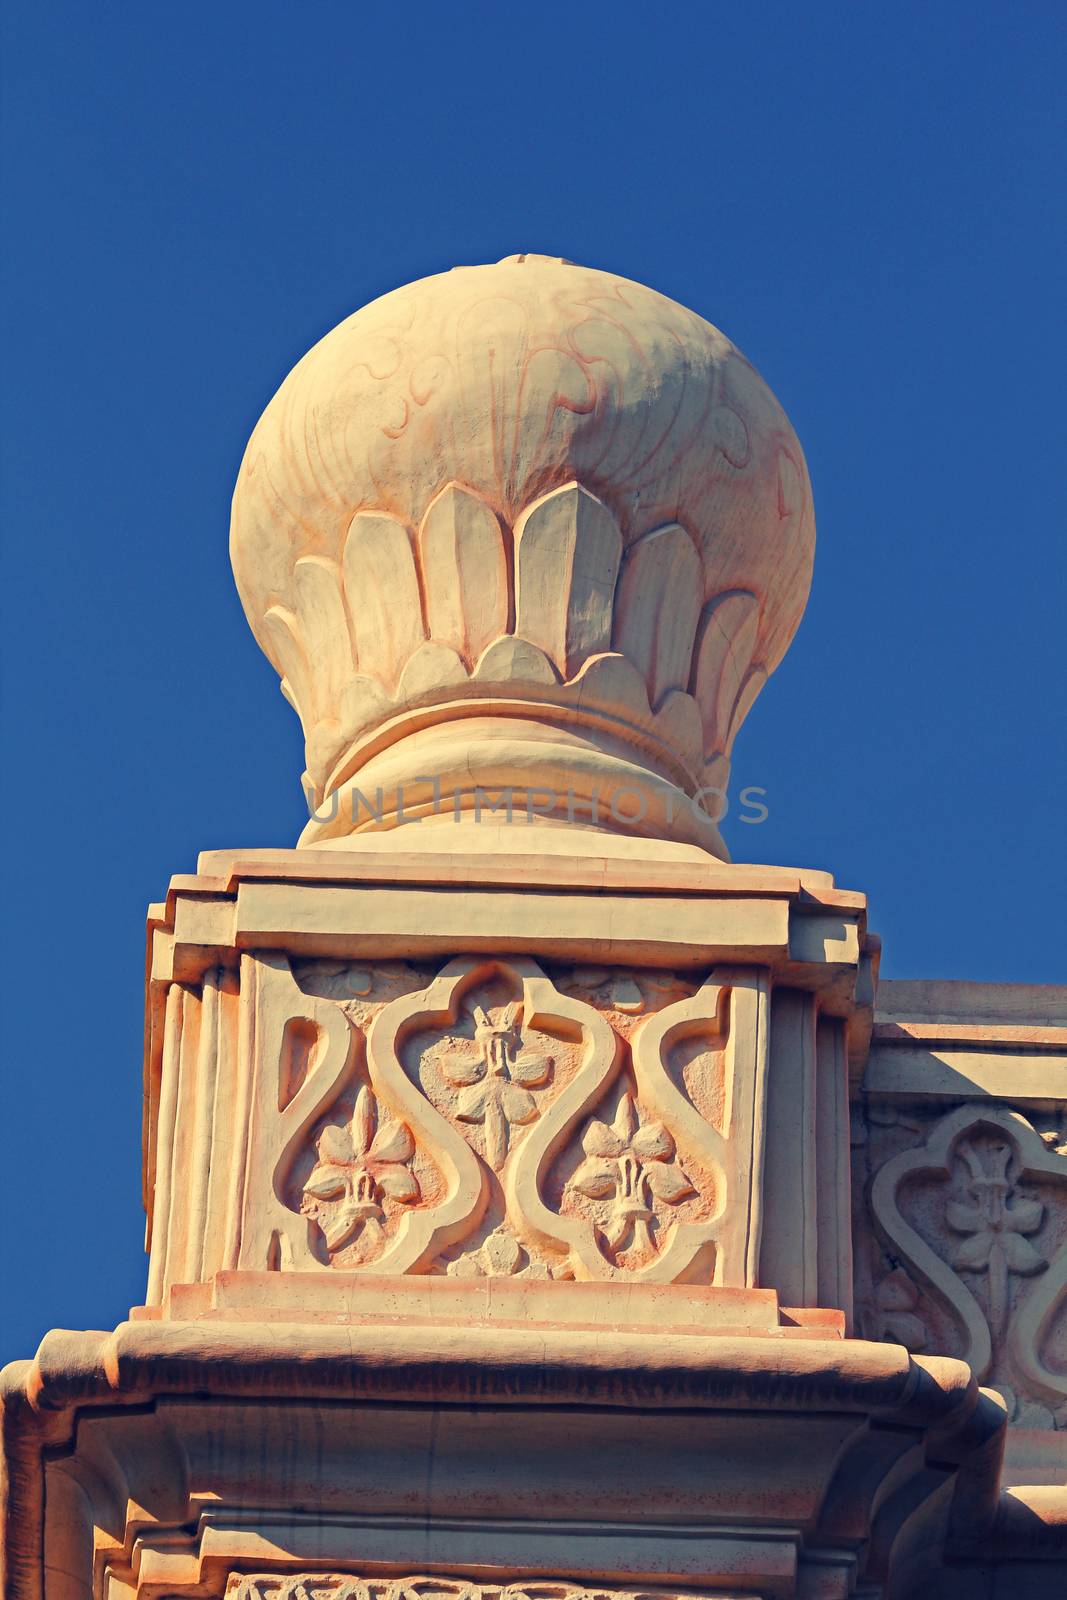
499 1256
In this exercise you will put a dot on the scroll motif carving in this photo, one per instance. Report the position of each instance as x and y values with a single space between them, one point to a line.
298 1053
976 1215
489 1051
648 1165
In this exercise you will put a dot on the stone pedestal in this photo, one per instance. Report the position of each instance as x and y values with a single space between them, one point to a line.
474 1271
395 1063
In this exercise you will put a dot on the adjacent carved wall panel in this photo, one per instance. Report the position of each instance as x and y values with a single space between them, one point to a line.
967 1248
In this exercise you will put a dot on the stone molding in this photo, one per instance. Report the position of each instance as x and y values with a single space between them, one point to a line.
203 1424
342 1586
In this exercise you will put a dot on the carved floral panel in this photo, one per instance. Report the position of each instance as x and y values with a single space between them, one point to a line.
491 1118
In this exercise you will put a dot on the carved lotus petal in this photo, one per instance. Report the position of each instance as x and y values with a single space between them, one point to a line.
460 1068
567 552
326 1183
1020 1254
1025 1216
600 1140
363 702
662 575
509 660
595 1178
531 1067
750 688
517 1104
668 1183
964 1218
397 1182
382 591
465 571
335 1144
973 1253
652 1142
678 723
609 679
281 629
393 1142
324 744
323 626
727 638
433 666
470 1105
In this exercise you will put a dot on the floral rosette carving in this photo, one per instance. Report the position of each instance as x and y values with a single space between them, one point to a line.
995 1221
494 1086
628 1167
363 1171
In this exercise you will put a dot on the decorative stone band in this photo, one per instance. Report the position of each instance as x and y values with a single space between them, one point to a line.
573 668
341 1586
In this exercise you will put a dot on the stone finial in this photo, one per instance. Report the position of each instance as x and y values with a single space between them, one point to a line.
526 527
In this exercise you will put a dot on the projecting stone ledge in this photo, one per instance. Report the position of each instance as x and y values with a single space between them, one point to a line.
160 1456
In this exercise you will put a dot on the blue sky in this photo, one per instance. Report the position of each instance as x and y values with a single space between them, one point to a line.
867 200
